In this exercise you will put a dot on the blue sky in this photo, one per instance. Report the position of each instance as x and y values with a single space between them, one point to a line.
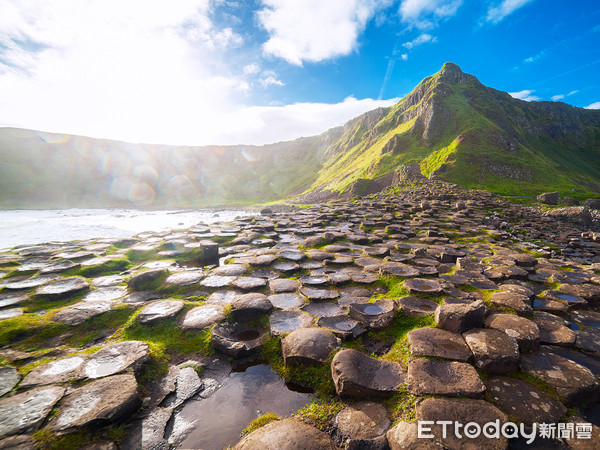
226 72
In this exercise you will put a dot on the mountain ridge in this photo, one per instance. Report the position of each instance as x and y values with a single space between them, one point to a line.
454 115
451 126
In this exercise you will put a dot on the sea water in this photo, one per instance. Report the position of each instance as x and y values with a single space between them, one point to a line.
28 227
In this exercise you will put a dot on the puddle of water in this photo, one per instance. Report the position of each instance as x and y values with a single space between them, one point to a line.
248 335
567 298
372 310
245 395
344 326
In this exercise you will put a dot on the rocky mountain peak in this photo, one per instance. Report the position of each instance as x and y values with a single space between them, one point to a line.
452 74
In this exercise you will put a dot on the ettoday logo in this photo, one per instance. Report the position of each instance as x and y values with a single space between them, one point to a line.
509 430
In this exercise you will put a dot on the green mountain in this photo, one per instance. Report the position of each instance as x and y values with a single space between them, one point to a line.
459 130
450 127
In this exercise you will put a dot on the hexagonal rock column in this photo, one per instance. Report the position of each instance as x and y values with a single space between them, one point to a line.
415 306
158 310
493 350
26 412
573 382
460 317
247 307
423 286
523 401
309 346
429 341
203 316
209 252
526 332
287 434
443 378
461 411
59 371
9 377
362 425
555 333
116 358
358 375
287 321
62 288
236 339
101 401
405 435
147 279
520 303
376 315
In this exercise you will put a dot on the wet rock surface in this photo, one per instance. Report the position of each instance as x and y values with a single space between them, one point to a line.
512 290
116 358
62 288
25 412
358 375
460 317
362 424
376 315
438 343
9 377
493 350
527 403
524 331
159 310
573 382
82 311
287 321
203 316
443 378
286 434
59 371
102 400
237 340
309 346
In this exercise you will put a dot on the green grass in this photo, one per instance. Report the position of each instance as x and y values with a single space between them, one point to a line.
46 439
260 421
29 331
402 405
111 267
317 378
320 414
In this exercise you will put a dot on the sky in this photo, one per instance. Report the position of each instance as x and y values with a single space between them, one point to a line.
200 72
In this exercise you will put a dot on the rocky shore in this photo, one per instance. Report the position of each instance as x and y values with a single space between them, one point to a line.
423 303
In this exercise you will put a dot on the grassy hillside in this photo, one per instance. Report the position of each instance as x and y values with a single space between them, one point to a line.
463 132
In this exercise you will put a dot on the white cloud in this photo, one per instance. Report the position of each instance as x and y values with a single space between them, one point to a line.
558 97
506 7
135 70
315 30
525 95
534 58
404 56
413 9
262 124
572 92
425 13
251 69
595 105
271 80
421 39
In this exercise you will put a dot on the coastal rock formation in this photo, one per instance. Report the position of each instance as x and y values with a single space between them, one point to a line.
514 294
